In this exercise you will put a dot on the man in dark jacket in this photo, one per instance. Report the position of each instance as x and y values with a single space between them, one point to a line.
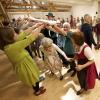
86 28
48 33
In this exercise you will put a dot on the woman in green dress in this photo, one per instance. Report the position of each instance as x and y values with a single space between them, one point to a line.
14 47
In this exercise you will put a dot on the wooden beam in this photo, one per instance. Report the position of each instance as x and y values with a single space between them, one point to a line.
4 13
23 10
40 5
40 9
61 10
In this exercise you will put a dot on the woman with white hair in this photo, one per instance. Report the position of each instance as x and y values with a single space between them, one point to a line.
68 46
51 57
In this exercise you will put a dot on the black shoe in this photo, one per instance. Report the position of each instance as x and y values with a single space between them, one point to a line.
69 70
97 47
80 91
61 78
52 73
73 74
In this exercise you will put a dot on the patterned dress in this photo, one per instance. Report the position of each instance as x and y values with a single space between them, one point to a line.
51 58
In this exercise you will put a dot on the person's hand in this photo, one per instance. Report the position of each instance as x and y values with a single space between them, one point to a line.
36 32
79 67
38 24
47 26
70 59
41 26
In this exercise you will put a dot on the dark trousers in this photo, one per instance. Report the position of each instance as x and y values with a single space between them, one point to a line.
82 78
72 65
36 87
29 51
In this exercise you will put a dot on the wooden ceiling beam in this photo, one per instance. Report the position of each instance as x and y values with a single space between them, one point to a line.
38 10
44 5
29 7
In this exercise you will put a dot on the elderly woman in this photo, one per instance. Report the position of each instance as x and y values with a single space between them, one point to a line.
68 46
51 56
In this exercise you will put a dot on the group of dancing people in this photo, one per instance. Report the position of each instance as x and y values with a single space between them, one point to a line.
69 48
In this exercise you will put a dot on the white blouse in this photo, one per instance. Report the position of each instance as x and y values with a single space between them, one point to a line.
87 52
59 50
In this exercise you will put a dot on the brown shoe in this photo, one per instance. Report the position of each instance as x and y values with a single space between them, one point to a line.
61 78
42 87
41 91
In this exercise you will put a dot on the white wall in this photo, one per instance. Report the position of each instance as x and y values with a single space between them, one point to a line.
99 10
80 10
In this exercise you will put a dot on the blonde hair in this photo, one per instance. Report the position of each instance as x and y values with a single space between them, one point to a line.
46 42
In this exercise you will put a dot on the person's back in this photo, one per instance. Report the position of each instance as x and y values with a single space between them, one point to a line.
86 28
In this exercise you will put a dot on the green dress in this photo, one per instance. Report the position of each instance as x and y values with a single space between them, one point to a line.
24 65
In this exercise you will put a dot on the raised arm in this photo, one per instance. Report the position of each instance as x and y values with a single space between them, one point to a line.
29 39
59 30
21 36
51 28
30 29
60 51
23 33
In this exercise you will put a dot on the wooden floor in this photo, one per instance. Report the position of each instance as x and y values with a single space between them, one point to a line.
13 89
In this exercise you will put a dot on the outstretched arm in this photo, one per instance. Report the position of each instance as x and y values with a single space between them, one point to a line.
60 51
56 29
29 39
59 30
23 33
